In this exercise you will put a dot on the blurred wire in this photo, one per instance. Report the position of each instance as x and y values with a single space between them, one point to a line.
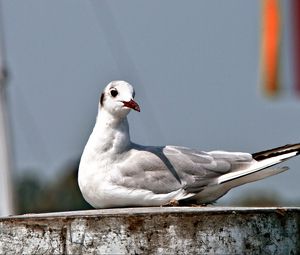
37 146
124 62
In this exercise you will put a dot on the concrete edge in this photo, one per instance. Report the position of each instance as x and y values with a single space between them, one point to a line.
153 211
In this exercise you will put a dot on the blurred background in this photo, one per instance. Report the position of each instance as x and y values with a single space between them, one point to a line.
212 75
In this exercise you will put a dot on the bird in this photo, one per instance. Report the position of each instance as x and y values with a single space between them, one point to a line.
115 172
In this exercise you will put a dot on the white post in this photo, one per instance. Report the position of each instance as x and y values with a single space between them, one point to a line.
6 196
6 191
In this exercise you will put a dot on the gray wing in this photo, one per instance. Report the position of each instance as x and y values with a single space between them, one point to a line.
166 169
205 167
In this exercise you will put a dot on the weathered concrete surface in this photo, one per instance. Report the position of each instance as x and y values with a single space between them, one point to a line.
184 230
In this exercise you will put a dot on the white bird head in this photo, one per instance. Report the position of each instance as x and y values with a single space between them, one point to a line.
117 98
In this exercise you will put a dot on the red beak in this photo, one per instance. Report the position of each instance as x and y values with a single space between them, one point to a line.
132 104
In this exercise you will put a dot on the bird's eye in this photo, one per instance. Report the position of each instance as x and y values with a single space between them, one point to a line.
114 92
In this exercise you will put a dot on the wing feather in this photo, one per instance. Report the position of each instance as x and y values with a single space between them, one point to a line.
166 169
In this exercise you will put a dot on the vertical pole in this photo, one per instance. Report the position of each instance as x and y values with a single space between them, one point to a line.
6 191
6 197
296 43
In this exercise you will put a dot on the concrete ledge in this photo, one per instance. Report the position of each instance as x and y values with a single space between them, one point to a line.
167 230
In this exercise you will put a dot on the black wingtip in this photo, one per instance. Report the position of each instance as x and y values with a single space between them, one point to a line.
277 151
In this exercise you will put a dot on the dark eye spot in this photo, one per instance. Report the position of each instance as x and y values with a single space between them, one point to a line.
114 92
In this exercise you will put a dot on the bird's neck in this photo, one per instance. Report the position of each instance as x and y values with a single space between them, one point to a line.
110 134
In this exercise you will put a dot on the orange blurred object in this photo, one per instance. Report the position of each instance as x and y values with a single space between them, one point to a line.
270 46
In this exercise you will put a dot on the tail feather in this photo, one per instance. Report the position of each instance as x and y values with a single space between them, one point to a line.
255 167
263 160
277 151
261 167
262 174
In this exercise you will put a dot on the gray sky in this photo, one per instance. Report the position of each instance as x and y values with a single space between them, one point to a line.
194 65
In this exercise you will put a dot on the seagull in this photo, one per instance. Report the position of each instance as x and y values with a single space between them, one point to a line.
115 172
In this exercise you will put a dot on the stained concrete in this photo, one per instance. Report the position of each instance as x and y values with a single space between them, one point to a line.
167 230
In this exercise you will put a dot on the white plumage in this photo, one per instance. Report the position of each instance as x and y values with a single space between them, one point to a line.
115 172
